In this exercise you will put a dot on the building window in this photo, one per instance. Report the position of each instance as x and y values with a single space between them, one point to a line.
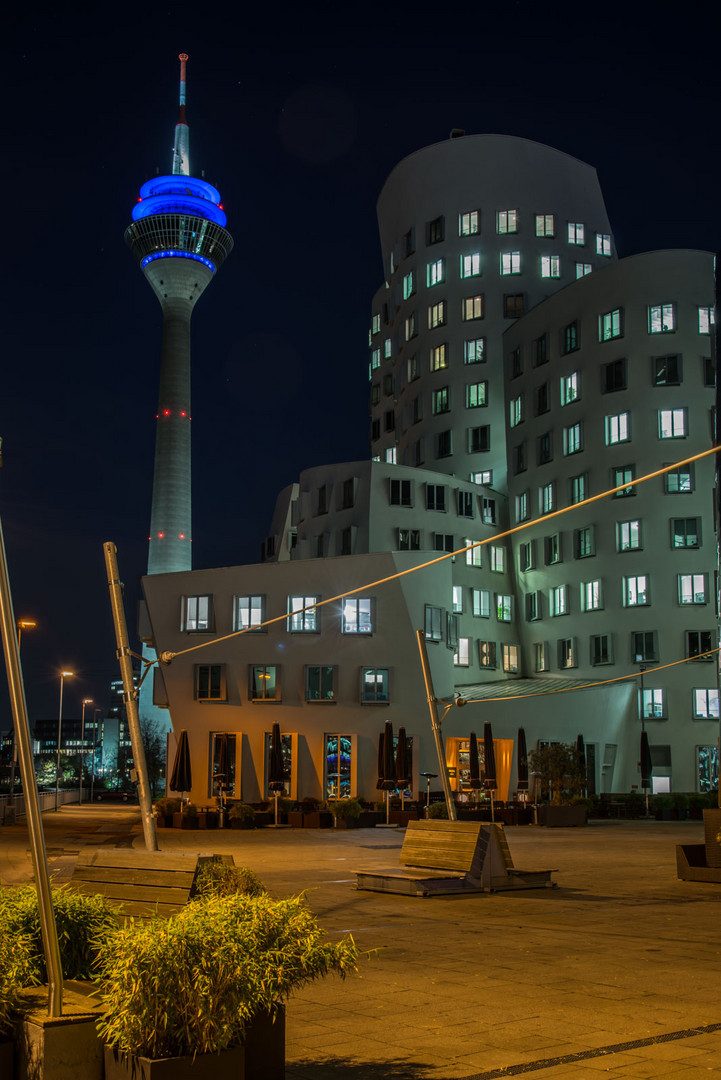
550 266
473 553
706 704
375 686
667 370
401 492
698 643
462 655
436 315
391 458
389 420
547 498
411 326
210 682
471 265
510 659
479 439
567 653
709 371
474 351
603 244
679 481
409 540
435 497
628 535
409 284
376 324
504 607
507 221
636 591
444 444
414 368
516 411
472 308
513 305
572 439
584 542
621 476
545 225
685 533
439 357
375 394
570 388
540 350
610 325
541 656
436 230
488 510
357 615
457 604
452 626
320 683
653 704
672 424
691 589
515 362
520 463
249 612
469 223
264 682
542 399
302 621
661 319
433 620
579 488
476 395
613 377
498 559
487 654
618 428
197 615
337 766
510 262
485 476
707 767
435 272
552 549
601 649
375 359
440 401
387 348
527 556
644 648
544 448
465 503
706 319
591 595
576 233
481 603
570 337
558 600
533 606
375 430
522 507
582 269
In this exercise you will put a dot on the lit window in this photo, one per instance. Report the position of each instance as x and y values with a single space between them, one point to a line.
439 357
462 655
644 646
474 351
515 411
387 348
357 616
471 265
440 401
510 659
457 605
582 269
621 475
197 614
300 621
469 223
692 588
591 596
572 440
653 706
435 272
488 510
550 266
544 225
552 549
472 308
498 559
507 221
487 654
481 603
376 325
540 652
320 683
558 600
601 649
391 458
576 233
636 591
510 262
667 370
476 395
706 704
618 428
210 682
546 498
249 612
570 388
522 510
484 477
679 481
437 315
661 319
473 554
409 284
603 244
375 359
374 685
609 325
567 653
706 319
433 619
672 423
264 682
628 535
685 532
504 607
579 488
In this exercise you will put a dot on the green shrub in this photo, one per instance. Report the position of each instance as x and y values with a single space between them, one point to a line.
191 983
82 921
190 810
438 810
243 813
345 808
167 807
19 967
222 879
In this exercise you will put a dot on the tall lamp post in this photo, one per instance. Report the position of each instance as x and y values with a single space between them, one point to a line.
63 676
86 701
22 624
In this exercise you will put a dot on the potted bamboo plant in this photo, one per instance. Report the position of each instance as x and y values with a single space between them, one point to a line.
346 813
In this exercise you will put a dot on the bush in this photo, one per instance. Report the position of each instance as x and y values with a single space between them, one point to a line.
167 807
438 810
191 983
19 967
556 766
83 923
222 879
243 813
345 808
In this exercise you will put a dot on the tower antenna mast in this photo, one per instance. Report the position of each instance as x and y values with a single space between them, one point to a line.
181 149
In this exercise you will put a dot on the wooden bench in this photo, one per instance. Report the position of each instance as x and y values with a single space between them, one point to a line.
142 883
441 857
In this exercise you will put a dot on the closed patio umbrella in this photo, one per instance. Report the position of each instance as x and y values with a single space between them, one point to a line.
489 759
522 768
386 766
276 769
403 762
646 766
581 757
181 777
474 782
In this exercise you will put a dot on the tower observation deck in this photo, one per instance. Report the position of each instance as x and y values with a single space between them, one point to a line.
179 237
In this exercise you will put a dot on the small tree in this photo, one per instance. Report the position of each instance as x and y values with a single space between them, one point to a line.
154 746
557 767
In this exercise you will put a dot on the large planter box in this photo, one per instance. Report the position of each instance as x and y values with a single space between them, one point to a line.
185 821
370 818
295 819
7 1060
402 817
266 817
711 829
321 819
347 823
561 817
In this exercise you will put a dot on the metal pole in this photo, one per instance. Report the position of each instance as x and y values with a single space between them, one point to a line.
436 725
60 733
16 687
714 342
129 695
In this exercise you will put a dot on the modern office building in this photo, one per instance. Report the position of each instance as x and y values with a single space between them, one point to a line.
517 368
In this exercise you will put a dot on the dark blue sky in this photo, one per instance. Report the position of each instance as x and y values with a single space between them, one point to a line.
298 114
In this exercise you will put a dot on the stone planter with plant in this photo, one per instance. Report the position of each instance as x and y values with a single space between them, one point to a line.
164 811
557 769
241 816
187 818
346 813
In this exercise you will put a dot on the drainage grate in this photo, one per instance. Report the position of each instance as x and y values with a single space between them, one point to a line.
584 1055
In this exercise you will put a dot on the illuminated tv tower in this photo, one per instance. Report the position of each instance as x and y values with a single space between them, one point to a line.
179 238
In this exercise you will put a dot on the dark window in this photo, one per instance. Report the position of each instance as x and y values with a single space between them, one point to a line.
347 494
401 493
552 549
444 444
443 541
601 649
542 399
375 430
515 362
698 642
479 439
433 623
387 385
346 542
435 230
465 504
583 543
540 350
409 243
544 448
513 305
644 647
667 370
570 337
409 540
709 371
320 683
520 463
210 682
389 419
435 497
613 376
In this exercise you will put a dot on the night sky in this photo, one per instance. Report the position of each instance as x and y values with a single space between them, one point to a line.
297 114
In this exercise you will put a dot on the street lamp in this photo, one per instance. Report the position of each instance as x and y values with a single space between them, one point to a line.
22 624
63 676
86 701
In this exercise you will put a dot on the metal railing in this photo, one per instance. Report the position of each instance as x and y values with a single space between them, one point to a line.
46 800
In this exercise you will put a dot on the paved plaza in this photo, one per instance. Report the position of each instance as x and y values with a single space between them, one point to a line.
616 971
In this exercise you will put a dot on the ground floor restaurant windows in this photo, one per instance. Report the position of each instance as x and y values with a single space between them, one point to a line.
286 749
337 767
224 759
707 759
